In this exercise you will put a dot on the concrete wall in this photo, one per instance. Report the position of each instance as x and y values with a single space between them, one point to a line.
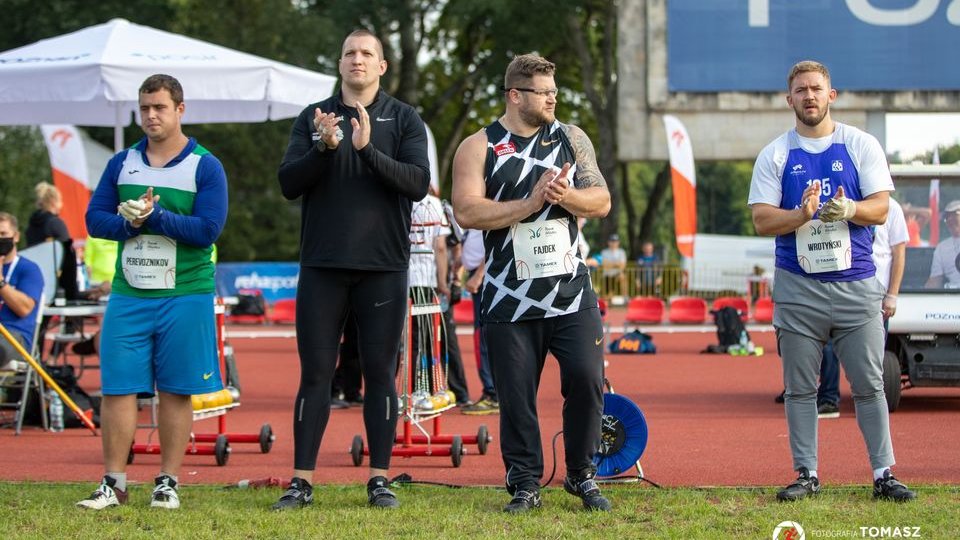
725 125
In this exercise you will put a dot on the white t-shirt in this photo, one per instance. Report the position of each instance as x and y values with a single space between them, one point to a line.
891 233
472 254
945 262
864 150
428 223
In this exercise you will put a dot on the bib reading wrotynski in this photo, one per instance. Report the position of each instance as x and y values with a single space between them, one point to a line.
824 247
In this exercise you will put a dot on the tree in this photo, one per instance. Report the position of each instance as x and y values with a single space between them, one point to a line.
23 163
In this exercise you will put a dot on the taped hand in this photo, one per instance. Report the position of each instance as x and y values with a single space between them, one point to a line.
839 208
132 210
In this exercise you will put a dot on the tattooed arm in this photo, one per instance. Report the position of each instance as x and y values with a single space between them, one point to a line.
588 196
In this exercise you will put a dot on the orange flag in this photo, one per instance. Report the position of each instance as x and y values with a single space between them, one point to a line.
684 182
69 163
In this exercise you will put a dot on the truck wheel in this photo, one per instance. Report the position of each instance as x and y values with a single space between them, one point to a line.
891 380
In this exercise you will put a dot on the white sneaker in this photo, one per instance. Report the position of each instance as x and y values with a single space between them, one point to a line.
165 494
105 496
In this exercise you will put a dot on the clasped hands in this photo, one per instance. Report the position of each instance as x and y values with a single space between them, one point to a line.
136 211
839 208
553 185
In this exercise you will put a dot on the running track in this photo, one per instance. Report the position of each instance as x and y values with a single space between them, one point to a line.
712 421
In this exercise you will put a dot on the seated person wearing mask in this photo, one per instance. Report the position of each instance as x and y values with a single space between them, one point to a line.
21 284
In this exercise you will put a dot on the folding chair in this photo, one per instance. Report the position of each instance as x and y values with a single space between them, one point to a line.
28 380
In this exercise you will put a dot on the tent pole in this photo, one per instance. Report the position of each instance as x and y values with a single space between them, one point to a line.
118 130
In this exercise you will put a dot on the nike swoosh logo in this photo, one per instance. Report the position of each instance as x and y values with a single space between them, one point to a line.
383 119
378 304
207 375
135 171
598 341
548 143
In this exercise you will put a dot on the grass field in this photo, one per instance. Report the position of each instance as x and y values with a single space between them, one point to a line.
34 510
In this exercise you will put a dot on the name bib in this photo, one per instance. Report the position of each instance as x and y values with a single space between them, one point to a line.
543 249
824 247
150 262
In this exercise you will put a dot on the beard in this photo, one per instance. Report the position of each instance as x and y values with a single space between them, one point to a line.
536 118
811 121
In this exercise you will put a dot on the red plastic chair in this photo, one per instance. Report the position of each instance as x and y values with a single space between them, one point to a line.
463 311
736 302
688 310
284 311
763 310
645 310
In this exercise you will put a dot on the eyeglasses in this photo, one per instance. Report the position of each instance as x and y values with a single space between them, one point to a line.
542 93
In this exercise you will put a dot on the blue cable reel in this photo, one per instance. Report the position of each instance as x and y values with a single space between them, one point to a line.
623 436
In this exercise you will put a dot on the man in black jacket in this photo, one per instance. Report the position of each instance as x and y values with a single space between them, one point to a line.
358 160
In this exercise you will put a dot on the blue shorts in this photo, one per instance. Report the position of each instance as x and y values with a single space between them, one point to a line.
165 343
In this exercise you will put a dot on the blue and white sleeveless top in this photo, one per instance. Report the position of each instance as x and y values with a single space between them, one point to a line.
834 168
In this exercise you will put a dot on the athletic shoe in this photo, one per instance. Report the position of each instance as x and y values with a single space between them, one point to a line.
587 489
889 488
337 403
482 407
355 400
828 410
105 496
465 404
523 500
805 486
298 495
165 493
378 495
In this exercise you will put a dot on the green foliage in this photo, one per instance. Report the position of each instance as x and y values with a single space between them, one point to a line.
23 163
47 511
722 190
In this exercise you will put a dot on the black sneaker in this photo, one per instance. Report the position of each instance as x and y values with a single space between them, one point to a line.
587 489
805 486
379 495
889 488
828 410
523 501
298 495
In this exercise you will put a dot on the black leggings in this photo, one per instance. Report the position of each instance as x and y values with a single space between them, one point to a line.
379 301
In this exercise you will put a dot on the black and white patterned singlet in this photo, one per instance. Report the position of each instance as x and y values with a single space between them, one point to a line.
513 166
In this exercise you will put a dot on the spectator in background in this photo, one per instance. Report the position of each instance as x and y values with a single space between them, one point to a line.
100 256
21 286
647 261
614 263
473 262
945 269
45 225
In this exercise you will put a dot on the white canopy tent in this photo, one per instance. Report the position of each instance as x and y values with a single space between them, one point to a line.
90 78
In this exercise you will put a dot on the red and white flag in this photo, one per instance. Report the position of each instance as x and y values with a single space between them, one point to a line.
69 163
684 182
935 203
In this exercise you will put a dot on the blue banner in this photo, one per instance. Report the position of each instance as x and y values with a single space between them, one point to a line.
276 280
750 45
